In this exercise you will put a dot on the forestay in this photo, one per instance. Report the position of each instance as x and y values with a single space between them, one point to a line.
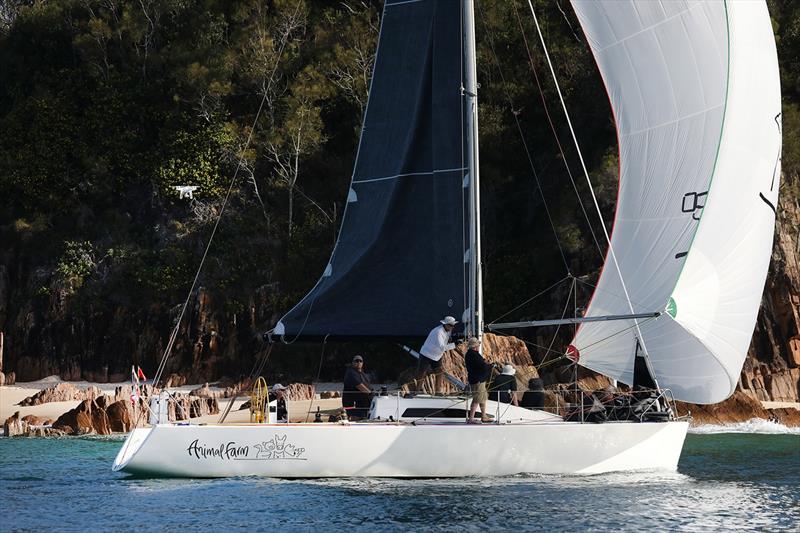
695 93
398 265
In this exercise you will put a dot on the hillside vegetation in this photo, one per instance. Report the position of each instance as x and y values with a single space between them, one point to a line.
107 105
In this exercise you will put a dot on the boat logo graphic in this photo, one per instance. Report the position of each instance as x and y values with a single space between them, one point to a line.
275 448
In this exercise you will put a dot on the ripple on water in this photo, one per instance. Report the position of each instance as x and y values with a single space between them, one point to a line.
725 481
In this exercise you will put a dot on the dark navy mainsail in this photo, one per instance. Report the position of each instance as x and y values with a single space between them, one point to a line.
399 263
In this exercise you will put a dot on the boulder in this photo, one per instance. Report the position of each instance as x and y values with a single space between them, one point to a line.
119 417
182 407
496 349
206 392
100 422
29 426
175 380
123 392
794 351
740 407
33 420
14 426
103 401
87 418
62 392
299 391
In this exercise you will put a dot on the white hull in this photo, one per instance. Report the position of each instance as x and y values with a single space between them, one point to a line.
400 450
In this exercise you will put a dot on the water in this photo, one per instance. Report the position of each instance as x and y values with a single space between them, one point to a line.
725 481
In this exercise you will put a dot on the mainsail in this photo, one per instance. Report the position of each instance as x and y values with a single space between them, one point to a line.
695 92
400 261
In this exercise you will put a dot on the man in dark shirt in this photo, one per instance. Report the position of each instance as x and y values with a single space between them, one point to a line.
505 385
477 373
533 398
357 394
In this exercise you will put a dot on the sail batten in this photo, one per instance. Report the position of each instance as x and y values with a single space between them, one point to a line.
694 89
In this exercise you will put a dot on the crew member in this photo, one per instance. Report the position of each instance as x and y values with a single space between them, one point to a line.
357 394
504 386
477 373
278 395
430 355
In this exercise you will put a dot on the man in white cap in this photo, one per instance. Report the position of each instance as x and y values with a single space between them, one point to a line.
279 395
430 355
504 386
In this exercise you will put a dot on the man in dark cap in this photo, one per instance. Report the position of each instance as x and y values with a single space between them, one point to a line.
357 394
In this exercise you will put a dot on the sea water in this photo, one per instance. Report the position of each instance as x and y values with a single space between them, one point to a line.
744 477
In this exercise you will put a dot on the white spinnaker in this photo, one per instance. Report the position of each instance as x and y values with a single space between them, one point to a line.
695 92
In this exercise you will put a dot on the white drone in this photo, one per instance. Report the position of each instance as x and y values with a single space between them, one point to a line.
186 191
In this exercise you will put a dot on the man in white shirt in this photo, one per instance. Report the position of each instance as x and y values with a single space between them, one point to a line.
430 355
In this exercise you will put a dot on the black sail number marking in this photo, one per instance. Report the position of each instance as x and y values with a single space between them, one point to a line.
693 202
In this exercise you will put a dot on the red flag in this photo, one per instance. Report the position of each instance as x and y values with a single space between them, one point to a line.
140 374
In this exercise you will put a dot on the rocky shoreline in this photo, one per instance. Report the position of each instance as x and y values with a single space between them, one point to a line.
97 413
104 409
65 408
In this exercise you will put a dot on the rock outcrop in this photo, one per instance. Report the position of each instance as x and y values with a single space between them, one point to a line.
29 426
206 392
738 408
184 407
299 391
496 349
62 392
87 418
119 417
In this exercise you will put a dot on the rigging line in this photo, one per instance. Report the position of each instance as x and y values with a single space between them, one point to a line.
572 287
586 175
555 133
558 4
168 350
258 366
562 280
319 371
635 326
606 291
528 343
522 138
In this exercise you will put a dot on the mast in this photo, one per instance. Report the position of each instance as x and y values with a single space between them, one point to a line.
474 325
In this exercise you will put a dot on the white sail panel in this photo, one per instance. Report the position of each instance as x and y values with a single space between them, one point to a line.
719 291
668 69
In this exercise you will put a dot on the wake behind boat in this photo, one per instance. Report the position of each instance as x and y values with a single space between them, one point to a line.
695 93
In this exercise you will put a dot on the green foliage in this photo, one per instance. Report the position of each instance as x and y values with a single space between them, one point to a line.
197 158
75 264
106 106
791 148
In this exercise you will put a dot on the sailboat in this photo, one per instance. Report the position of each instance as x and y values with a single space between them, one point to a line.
695 93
